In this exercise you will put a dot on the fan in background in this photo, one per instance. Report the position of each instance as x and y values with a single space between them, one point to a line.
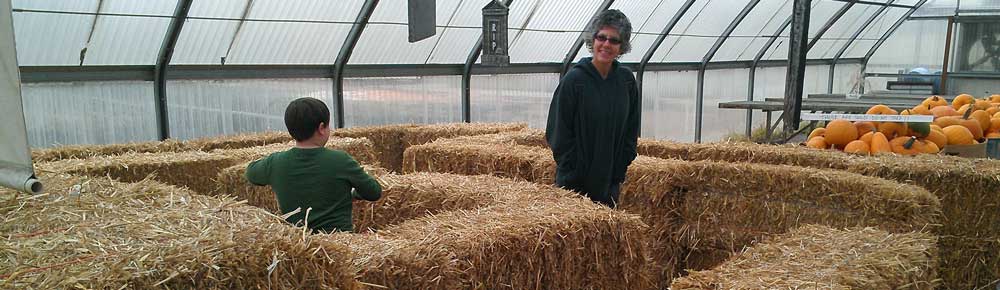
984 55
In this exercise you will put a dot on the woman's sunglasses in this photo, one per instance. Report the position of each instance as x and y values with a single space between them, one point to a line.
612 40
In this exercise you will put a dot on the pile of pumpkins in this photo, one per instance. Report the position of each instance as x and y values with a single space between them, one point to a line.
966 121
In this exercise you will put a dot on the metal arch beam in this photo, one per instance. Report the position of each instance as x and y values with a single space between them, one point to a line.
162 63
700 100
833 66
571 54
753 69
871 51
878 4
656 45
345 55
829 23
239 30
467 75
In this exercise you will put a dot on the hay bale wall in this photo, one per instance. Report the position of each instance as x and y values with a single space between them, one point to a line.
391 140
968 189
170 145
685 202
822 257
87 232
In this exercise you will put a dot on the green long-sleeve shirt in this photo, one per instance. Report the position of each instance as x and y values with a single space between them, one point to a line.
319 178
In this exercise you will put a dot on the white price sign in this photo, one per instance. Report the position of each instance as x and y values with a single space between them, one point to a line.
865 117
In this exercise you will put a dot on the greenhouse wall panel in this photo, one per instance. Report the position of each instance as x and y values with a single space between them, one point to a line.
88 113
513 98
422 100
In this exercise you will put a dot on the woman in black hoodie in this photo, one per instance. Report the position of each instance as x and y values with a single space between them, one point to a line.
593 122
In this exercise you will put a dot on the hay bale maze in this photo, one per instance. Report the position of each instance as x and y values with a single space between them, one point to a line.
231 181
968 189
391 140
96 233
820 257
170 145
702 212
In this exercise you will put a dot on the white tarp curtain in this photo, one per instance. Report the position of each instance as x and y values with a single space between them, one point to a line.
15 157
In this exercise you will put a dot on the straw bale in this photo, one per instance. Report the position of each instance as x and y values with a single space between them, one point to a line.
195 170
359 148
970 253
704 258
816 256
231 181
87 151
390 141
239 140
968 189
527 137
470 158
95 233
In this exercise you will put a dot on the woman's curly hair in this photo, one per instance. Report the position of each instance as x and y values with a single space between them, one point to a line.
614 19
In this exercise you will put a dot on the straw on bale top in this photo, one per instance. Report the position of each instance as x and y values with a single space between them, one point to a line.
526 137
193 169
361 149
170 145
463 157
100 234
822 257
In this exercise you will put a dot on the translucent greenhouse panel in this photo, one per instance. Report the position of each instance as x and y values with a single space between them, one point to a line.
709 23
668 105
50 39
307 10
840 33
89 113
513 98
917 43
424 100
723 86
386 38
640 44
88 6
550 31
146 7
752 33
937 8
454 45
875 31
822 11
122 40
200 108
683 25
204 41
288 43
638 13
218 9
847 78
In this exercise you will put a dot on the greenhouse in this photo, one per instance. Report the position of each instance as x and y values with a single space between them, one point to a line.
748 144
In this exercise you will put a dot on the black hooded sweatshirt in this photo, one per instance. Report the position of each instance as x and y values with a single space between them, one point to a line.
593 128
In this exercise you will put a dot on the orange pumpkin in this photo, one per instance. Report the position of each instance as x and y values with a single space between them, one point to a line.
864 127
816 132
974 128
961 111
934 101
943 111
959 135
992 135
817 142
922 110
938 138
995 115
994 99
881 110
946 121
857 147
905 146
982 104
982 117
879 144
935 127
929 147
892 129
867 137
840 132
962 100
992 110
994 125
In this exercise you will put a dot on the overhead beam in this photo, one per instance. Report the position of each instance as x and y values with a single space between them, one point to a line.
571 54
829 23
833 66
470 61
700 99
656 44
880 4
345 55
162 64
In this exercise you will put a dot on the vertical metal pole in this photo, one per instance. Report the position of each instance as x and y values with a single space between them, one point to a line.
162 61
795 75
753 72
467 76
947 55
836 58
571 54
345 55
700 100
652 49
871 51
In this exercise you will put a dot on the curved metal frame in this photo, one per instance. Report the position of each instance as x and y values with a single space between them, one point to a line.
162 62
836 58
753 70
656 45
345 55
571 54
871 51
700 99
467 75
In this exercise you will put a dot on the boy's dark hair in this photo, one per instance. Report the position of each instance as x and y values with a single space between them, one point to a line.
303 116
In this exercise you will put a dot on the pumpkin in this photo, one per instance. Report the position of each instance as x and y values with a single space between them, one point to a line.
840 132
959 135
934 101
905 146
918 129
817 142
929 147
996 115
982 117
992 135
938 138
982 104
974 128
867 137
881 110
961 100
994 99
992 110
994 125
892 129
816 132
922 110
879 144
965 108
864 127
857 147
943 122
943 111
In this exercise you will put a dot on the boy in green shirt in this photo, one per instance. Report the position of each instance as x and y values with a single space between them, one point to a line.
309 177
